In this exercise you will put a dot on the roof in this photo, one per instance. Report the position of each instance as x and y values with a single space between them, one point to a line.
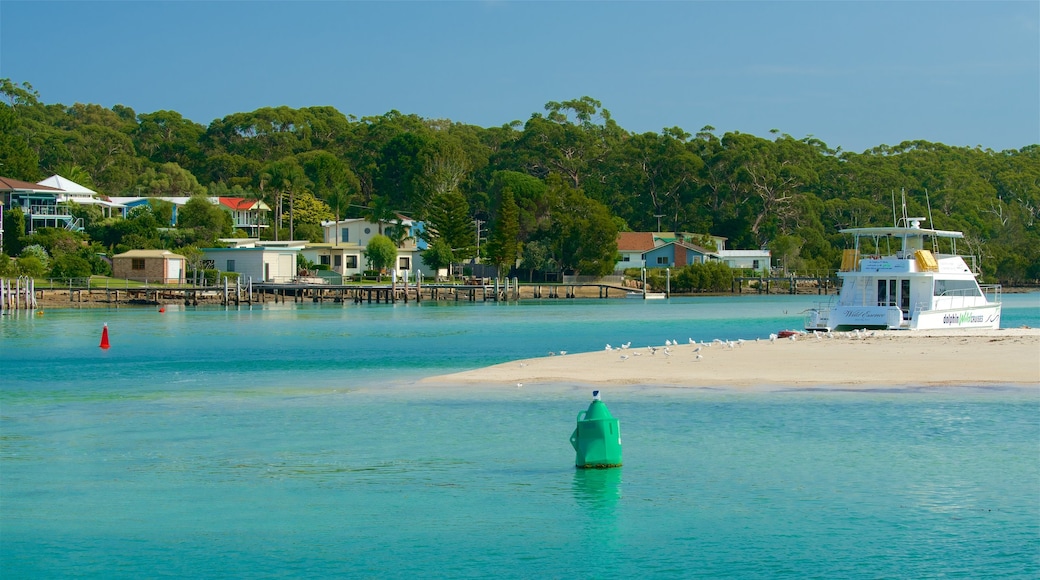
242 204
148 254
694 247
635 241
67 185
8 184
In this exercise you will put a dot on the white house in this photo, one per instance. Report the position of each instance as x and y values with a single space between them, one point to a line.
267 261
346 240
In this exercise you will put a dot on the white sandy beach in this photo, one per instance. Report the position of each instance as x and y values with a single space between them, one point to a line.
841 359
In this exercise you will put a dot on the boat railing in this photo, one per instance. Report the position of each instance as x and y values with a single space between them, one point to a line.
992 292
963 298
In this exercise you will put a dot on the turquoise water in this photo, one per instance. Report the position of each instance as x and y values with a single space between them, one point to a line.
293 441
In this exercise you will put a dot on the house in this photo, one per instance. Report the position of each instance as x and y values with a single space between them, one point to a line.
261 261
160 266
678 249
631 247
246 214
346 240
80 195
130 202
678 254
758 260
42 205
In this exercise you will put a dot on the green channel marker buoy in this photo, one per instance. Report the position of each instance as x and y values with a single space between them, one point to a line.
597 438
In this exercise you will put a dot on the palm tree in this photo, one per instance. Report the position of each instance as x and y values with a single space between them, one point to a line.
339 200
379 211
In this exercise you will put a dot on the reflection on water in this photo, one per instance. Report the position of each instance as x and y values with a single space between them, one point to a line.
597 490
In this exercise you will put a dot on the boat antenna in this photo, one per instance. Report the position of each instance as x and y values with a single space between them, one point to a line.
895 222
931 224
906 222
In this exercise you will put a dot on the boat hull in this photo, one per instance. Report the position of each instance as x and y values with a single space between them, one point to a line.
844 318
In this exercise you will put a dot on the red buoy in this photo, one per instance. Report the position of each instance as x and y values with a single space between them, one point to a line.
104 337
162 309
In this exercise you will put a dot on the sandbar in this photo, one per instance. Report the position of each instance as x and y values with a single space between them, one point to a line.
840 359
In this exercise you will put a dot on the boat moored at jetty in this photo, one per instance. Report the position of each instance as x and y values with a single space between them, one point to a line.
898 278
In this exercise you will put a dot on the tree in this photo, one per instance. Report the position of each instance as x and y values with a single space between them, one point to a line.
449 220
536 256
438 256
16 157
14 231
207 221
70 266
380 252
583 235
504 245
339 200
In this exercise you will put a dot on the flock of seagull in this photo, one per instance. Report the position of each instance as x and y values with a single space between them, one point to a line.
698 346
627 351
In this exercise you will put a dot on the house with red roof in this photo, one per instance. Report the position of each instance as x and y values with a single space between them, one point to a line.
246 214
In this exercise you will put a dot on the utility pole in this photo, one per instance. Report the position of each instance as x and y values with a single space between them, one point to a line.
478 224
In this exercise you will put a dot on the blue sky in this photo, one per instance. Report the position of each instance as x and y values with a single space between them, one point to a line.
853 74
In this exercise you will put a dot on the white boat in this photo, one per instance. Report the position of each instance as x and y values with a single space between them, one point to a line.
646 295
897 278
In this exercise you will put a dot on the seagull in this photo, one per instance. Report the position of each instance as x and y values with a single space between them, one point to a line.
624 357
522 365
667 342
698 349
772 337
609 347
519 385
699 357
626 345
563 352
692 341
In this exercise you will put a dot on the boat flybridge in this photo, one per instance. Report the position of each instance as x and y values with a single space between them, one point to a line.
897 278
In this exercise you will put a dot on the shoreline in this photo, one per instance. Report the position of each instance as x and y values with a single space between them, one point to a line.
946 358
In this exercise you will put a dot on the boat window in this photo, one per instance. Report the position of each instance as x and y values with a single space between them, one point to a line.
904 296
882 292
956 288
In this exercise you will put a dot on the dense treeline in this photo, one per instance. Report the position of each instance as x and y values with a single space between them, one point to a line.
551 192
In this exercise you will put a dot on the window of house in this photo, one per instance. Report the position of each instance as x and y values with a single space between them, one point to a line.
230 266
137 263
404 263
351 261
324 259
344 235
754 264
626 258
338 260
662 260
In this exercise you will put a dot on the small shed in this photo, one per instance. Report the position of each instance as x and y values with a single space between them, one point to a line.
160 266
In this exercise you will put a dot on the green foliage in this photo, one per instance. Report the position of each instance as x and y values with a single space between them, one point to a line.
70 266
504 244
449 219
754 191
8 267
380 252
438 256
14 231
712 276
583 233
56 241
205 221
31 266
37 251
